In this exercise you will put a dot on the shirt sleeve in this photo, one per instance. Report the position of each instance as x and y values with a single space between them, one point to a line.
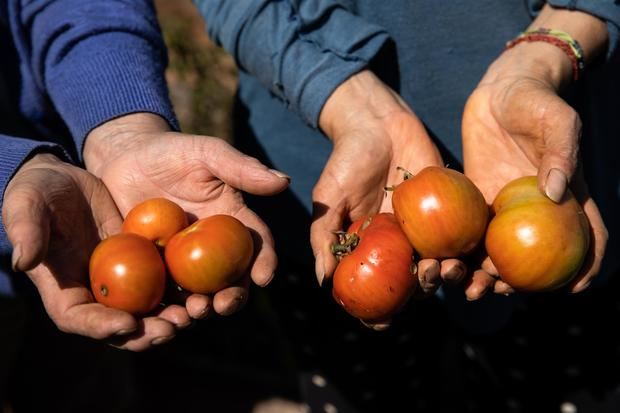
96 60
301 50
14 152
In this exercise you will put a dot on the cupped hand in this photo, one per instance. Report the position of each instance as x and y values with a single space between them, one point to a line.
516 124
374 135
55 214
138 157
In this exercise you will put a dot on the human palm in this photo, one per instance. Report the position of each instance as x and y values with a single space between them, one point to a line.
517 126
55 214
205 176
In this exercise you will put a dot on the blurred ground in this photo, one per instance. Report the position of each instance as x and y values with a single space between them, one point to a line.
201 76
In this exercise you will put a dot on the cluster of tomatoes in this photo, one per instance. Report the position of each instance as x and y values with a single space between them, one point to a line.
535 244
128 271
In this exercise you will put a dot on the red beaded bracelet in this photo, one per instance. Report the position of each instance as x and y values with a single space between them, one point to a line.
559 39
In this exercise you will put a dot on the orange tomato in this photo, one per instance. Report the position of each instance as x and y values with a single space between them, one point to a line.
127 273
375 278
442 212
536 244
210 254
157 219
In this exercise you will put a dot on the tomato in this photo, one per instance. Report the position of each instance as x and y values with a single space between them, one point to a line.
210 254
157 219
536 244
127 273
442 212
376 278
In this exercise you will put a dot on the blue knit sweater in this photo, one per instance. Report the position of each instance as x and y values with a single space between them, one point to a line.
68 66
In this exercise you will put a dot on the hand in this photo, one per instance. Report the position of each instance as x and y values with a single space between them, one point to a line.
138 157
55 214
373 132
515 124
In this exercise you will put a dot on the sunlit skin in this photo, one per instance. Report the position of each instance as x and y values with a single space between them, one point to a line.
377 278
210 255
156 219
442 212
536 244
127 273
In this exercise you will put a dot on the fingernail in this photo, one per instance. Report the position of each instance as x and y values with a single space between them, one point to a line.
161 340
556 185
16 256
319 269
125 331
454 274
581 286
280 174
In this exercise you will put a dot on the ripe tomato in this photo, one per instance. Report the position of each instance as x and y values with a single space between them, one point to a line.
376 278
127 273
210 254
157 219
536 244
442 212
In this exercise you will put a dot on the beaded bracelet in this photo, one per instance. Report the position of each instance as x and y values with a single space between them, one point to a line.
559 39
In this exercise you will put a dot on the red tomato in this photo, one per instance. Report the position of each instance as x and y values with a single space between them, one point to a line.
210 254
442 212
127 273
157 219
375 279
536 244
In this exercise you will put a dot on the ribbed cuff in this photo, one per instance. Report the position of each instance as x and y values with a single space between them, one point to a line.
107 76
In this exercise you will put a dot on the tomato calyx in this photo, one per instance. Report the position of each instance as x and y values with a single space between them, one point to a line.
348 241
345 245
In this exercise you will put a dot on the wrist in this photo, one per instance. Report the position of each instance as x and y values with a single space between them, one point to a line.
118 135
538 60
363 97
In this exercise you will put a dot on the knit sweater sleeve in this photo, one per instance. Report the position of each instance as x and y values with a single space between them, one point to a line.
95 60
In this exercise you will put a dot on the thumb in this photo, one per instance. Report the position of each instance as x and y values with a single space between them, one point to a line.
327 219
241 171
27 223
559 160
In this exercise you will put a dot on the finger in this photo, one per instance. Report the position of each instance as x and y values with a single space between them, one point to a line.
241 171
72 308
199 306
377 326
232 299
503 288
489 267
326 222
598 244
106 214
27 222
152 331
429 275
478 285
559 159
175 314
266 260
453 271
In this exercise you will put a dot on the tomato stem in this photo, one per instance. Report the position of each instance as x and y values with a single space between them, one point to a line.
406 173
